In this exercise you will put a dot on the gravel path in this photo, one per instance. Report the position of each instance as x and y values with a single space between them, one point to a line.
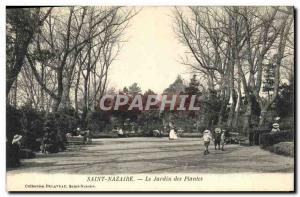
156 155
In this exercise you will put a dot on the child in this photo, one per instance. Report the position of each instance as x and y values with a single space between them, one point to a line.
217 138
206 138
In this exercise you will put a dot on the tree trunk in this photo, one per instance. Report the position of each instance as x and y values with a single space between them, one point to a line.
76 91
263 116
237 106
85 98
247 116
231 111
65 102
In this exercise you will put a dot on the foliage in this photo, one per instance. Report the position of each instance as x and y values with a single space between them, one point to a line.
176 87
32 125
283 148
269 78
284 104
98 121
268 139
134 89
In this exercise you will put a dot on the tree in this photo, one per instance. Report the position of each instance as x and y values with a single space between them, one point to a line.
86 42
230 47
176 87
134 89
21 26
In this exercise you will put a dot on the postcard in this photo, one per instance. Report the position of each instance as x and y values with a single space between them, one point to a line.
150 99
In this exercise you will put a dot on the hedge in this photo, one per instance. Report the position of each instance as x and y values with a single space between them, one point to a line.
268 139
282 148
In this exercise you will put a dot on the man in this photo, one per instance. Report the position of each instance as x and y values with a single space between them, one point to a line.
251 135
207 137
223 139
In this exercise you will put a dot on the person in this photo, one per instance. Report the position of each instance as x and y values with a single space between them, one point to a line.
251 135
156 133
120 133
15 150
45 141
217 137
223 139
172 134
275 128
207 137
88 138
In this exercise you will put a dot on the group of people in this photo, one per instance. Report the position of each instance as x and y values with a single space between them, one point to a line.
218 138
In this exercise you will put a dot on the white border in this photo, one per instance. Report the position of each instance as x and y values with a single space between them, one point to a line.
111 2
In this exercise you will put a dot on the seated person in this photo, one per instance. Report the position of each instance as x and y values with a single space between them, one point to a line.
120 132
275 128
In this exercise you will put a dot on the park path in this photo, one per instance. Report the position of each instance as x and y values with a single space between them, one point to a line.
156 155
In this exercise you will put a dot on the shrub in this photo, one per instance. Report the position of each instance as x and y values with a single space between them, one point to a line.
13 124
26 154
268 139
282 148
98 121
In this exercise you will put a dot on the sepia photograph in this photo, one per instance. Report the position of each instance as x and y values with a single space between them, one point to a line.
150 98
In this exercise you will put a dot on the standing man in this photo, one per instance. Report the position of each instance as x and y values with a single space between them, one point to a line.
223 139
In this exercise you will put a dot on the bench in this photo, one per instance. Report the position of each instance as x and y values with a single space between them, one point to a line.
74 141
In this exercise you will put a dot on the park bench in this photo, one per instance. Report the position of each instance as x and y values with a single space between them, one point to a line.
75 142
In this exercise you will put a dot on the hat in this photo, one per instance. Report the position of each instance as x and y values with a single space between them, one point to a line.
277 118
206 131
16 138
276 125
217 130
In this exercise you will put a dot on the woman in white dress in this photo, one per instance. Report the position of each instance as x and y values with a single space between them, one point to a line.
172 134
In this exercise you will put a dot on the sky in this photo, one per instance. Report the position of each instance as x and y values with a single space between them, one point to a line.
151 54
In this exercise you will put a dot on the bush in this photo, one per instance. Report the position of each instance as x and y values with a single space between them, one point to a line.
268 139
31 124
13 124
98 121
282 148
26 154
105 135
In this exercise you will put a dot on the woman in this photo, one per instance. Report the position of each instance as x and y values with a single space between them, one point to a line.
275 128
172 134
15 150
